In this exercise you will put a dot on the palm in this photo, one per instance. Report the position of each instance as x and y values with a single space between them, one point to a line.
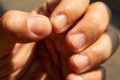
54 55
50 59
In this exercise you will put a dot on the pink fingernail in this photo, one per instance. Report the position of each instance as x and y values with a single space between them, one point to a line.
77 77
82 61
77 41
79 63
59 22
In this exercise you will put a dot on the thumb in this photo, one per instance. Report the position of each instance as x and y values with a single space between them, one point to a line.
18 26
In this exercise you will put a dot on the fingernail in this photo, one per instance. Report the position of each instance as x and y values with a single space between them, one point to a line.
77 41
81 62
77 77
36 24
59 22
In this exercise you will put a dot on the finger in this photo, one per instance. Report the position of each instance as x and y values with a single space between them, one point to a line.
66 13
12 62
93 24
97 74
96 54
18 26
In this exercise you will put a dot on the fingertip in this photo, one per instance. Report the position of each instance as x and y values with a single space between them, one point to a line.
59 23
21 26
39 25
76 42
79 63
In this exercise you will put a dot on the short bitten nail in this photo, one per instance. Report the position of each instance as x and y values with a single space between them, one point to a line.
59 22
81 62
77 41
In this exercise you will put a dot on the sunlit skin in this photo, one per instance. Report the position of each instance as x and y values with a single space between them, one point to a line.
60 39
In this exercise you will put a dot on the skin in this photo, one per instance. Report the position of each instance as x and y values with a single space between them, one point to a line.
61 39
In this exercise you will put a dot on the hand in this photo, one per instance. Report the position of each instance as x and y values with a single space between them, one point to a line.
30 52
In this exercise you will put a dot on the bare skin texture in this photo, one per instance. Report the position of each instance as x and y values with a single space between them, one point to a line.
59 40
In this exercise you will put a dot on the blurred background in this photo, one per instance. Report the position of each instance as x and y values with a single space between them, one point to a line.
113 65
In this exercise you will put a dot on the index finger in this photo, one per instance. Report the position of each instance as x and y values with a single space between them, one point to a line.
66 13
